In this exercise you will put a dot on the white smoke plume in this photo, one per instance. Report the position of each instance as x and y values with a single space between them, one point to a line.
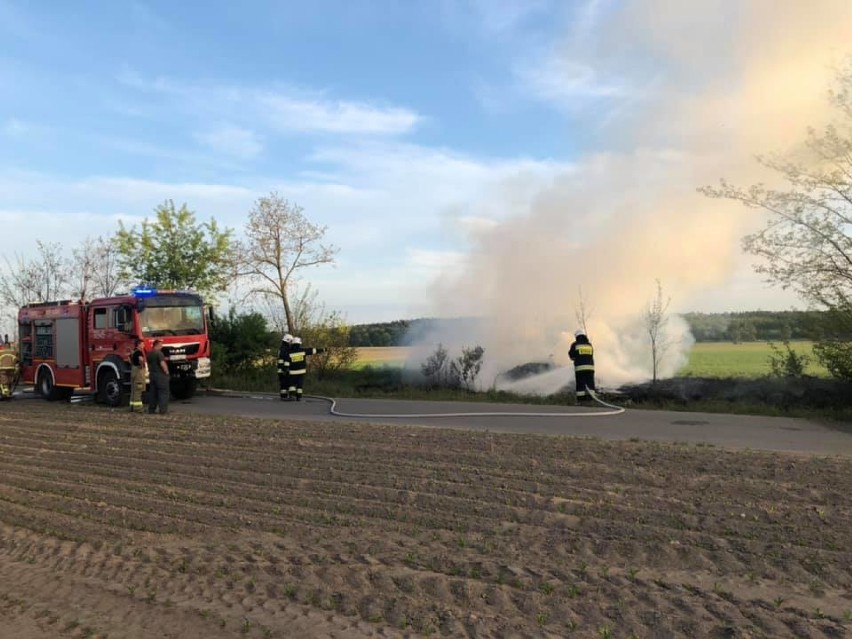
721 82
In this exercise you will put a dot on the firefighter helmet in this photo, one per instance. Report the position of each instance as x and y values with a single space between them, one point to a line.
287 338
297 340
579 332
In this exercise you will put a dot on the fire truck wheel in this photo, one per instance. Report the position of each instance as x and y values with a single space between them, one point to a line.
183 389
110 390
48 390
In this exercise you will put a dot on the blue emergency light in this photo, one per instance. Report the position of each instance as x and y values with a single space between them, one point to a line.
143 291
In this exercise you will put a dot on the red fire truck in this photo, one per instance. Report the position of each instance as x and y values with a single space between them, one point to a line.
86 346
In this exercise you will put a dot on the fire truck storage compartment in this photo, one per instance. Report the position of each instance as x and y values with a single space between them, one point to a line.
68 342
25 333
43 340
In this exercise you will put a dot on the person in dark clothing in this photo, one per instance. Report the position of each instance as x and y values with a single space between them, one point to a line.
158 369
582 353
297 363
284 367
137 376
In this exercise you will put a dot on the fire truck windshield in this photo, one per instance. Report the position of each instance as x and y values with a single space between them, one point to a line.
159 317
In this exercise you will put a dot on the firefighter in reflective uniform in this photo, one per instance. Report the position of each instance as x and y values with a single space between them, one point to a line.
138 375
284 367
8 370
298 366
583 355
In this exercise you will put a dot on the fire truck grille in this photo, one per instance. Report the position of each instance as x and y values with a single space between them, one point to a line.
188 350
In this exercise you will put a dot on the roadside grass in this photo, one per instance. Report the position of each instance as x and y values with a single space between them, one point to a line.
375 382
379 373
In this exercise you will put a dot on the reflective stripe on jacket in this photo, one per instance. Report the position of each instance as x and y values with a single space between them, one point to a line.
583 356
299 358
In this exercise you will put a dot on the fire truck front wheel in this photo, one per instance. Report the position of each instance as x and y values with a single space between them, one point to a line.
183 388
110 389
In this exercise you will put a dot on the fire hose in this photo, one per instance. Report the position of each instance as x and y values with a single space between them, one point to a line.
614 410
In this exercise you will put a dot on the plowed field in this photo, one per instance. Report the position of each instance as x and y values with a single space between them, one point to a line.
119 525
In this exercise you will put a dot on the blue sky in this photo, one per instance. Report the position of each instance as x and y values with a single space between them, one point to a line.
403 125
140 79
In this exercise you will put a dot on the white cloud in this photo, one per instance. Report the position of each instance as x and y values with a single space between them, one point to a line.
285 110
432 262
232 140
565 83
473 225
398 212
289 114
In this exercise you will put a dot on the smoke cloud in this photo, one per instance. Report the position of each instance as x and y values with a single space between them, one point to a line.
693 90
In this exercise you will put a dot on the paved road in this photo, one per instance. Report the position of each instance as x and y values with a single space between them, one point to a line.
729 431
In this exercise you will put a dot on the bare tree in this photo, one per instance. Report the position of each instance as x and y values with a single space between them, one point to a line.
84 265
105 279
321 328
17 288
18 282
656 318
280 242
582 313
41 279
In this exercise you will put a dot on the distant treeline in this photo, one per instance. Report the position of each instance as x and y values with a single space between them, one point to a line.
753 326
750 326
404 332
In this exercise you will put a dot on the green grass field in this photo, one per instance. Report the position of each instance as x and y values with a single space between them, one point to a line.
381 356
717 359
750 359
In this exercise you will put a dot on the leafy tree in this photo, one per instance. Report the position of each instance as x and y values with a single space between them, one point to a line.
834 345
806 244
436 367
281 242
465 368
244 341
787 362
174 251
441 371
742 330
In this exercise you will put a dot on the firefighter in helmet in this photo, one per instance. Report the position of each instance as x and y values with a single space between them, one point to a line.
298 366
9 370
582 353
284 367
138 374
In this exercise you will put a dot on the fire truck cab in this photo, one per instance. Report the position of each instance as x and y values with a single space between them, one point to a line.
69 345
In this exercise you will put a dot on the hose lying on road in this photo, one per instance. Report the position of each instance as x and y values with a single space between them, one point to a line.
615 410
